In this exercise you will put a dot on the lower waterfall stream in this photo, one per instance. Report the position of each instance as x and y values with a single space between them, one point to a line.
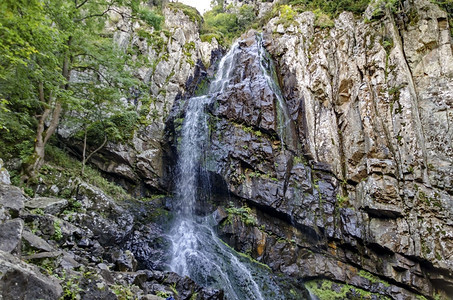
197 251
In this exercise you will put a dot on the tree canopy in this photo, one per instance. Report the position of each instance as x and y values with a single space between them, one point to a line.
56 57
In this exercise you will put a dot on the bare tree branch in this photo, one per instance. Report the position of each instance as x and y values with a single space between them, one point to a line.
109 8
81 4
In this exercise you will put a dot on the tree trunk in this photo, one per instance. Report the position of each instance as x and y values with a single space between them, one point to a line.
42 134
84 158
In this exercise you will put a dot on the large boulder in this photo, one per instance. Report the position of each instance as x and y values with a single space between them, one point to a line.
49 205
11 235
19 280
11 199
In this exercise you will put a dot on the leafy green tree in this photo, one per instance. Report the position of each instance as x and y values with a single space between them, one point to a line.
227 24
56 57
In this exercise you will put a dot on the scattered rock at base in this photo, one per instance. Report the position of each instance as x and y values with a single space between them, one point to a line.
49 205
19 280
12 199
11 235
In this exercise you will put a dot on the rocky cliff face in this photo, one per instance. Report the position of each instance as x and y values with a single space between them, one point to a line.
176 61
364 195
349 179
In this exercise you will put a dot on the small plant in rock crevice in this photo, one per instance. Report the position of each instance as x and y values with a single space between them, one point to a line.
244 212
58 235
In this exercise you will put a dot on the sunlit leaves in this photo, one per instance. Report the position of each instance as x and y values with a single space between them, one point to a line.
61 46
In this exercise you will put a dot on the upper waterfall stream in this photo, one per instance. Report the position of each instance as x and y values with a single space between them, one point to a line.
197 252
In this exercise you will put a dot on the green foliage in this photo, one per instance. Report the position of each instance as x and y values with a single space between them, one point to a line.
287 12
118 128
342 201
71 288
42 45
61 167
57 230
23 27
256 133
332 8
224 25
189 11
387 43
37 211
163 294
287 15
298 160
372 278
329 290
323 20
207 37
244 212
3 111
246 16
123 292
151 17
381 5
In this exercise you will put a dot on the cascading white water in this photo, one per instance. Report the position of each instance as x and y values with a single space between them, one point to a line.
197 252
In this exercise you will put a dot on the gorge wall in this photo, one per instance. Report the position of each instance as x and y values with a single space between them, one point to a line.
364 194
364 197
177 58
356 198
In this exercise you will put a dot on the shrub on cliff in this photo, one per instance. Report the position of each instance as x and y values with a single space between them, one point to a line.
227 23
331 7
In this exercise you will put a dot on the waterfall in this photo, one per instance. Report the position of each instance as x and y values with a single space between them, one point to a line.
197 252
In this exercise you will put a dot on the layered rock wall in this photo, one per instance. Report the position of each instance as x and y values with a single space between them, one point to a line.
369 188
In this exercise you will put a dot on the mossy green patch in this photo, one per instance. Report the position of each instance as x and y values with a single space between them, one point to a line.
372 278
64 170
189 11
329 290
244 212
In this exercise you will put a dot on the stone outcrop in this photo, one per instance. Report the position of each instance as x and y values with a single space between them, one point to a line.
19 280
176 61
357 192
365 195
85 247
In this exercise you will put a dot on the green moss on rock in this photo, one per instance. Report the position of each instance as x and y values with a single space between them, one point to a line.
189 11
329 290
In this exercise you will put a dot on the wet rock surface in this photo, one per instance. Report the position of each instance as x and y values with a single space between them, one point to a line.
85 247
367 190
